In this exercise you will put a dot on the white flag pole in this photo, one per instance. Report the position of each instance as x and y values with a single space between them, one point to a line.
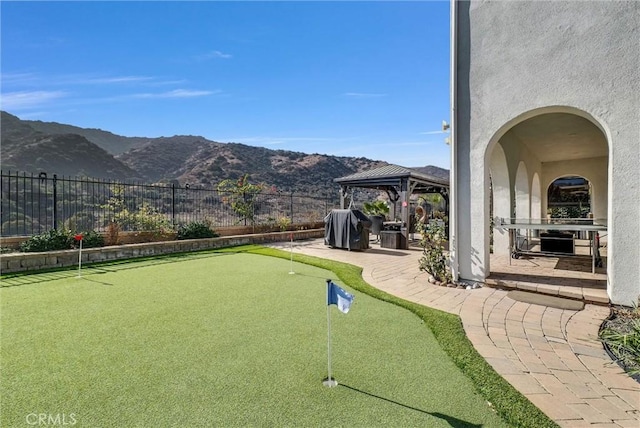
329 381
80 260
291 272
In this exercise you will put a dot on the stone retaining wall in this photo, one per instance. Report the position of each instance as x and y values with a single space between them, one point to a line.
17 262
13 242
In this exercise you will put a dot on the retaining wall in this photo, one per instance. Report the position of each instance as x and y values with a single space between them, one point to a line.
17 262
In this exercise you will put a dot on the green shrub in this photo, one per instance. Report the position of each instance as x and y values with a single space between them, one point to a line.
91 239
284 223
50 241
241 197
60 240
143 218
196 230
433 260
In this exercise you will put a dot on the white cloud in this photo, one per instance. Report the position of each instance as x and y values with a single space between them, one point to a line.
18 78
363 95
213 55
433 132
166 82
177 93
32 79
118 79
28 99
271 141
393 144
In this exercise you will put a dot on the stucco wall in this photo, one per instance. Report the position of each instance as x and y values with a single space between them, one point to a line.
519 59
501 183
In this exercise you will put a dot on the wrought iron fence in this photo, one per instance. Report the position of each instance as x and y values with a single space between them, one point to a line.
33 204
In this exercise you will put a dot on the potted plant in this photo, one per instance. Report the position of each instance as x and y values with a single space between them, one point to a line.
377 211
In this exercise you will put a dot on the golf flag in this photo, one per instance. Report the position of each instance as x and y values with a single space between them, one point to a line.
79 238
337 296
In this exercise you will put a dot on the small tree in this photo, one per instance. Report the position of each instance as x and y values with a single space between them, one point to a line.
433 260
242 197
144 219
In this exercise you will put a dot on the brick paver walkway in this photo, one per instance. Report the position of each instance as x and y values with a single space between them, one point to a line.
552 356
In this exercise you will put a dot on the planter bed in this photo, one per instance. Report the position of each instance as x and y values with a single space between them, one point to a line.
19 262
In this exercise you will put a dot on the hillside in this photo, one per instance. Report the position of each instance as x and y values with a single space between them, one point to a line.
166 158
112 143
435 171
35 146
196 160
26 149
15 130
68 155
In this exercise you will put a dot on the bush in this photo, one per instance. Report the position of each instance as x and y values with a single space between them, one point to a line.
143 218
196 230
433 260
242 197
50 241
63 239
284 223
113 234
91 239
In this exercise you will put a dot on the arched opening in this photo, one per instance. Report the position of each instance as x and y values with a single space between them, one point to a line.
569 197
528 154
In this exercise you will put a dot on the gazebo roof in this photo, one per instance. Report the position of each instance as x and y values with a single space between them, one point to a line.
391 176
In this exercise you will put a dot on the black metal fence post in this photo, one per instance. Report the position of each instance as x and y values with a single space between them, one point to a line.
173 204
43 181
16 196
24 202
291 206
55 201
244 199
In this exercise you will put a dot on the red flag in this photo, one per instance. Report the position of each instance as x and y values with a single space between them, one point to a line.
78 237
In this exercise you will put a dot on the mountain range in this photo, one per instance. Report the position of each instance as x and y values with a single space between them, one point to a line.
36 146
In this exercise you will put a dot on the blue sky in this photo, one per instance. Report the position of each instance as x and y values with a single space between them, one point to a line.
342 78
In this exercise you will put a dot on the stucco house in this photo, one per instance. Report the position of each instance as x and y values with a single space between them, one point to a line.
543 90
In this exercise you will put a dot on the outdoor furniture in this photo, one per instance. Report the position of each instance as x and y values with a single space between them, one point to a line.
392 225
559 238
392 239
376 225
557 242
347 229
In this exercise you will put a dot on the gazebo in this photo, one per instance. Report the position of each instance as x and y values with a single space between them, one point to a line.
400 183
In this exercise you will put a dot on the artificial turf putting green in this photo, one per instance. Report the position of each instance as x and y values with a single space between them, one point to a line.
219 339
